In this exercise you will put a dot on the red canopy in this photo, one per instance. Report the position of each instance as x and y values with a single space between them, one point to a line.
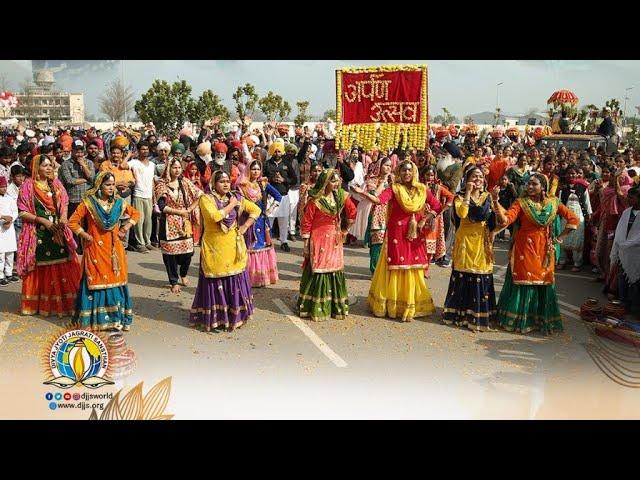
563 96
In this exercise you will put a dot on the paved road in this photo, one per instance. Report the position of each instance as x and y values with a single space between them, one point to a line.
278 366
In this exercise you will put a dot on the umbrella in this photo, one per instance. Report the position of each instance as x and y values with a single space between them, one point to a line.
563 96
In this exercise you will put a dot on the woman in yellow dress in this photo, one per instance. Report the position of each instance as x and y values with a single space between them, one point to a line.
398 287
223 297
471 298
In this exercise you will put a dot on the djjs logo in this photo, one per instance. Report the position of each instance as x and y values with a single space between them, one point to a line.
77 357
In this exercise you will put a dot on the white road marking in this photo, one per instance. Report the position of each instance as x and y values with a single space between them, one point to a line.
311 335
4 327
568 305
584 277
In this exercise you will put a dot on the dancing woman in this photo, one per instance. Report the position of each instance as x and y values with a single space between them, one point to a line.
177 199
471 298
223 296
398 287
327 217
103 301
528 299
47 260
263 264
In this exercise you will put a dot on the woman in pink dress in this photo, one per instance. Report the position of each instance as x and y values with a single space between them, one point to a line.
328 215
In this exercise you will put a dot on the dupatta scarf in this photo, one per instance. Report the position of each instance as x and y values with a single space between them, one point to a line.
26 203
106 219
410 198
189 193
339 196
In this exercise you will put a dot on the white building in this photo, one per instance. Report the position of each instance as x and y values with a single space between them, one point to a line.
41 102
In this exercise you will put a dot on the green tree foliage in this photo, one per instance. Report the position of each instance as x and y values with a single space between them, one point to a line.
160 106
329 115
274 107
208 106
169 106
246 100
184 104
302 116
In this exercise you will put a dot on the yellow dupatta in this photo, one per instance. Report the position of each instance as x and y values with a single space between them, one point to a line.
411 199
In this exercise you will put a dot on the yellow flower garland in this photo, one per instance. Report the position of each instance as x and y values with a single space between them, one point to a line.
382 136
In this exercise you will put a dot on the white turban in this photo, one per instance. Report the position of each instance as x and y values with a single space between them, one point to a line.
313 149
164 146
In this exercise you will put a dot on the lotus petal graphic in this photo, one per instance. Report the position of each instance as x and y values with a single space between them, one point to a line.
135 406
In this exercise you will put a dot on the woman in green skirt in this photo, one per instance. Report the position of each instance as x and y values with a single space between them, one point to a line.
528 299
328 215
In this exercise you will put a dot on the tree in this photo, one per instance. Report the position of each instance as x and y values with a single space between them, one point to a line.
496 116
302 116
167 106
448 117
439 119
116 101
207 106
246 100
274 107
330 115
468 119
185 105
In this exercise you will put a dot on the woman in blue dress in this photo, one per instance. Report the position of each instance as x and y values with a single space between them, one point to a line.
263 264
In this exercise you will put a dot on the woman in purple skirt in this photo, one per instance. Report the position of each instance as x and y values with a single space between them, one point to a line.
223 297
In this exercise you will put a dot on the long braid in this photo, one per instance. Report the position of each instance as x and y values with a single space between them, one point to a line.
54 197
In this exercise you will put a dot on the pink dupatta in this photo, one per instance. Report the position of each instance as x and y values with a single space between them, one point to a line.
28 238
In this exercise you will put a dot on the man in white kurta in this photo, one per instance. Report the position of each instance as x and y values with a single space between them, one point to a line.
8 246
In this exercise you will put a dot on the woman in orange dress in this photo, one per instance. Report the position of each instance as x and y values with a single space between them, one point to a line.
528 299
103 301
47 260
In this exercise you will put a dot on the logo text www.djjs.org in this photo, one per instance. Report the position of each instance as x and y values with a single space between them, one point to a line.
78 401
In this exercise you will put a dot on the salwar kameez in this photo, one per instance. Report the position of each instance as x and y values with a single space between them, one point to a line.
376 228
528 299
471 298
176 233
434 238
576 198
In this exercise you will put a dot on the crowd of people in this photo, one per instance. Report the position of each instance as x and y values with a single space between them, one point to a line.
74 204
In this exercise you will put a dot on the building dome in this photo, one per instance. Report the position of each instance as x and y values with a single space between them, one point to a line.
43 78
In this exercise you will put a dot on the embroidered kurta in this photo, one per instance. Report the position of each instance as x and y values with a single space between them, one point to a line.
223 249
323 230
435 238
403 253
532 243
97 259
471 250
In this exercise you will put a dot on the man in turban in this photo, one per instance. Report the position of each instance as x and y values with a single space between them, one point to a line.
280 174
177 152
220 162
203 161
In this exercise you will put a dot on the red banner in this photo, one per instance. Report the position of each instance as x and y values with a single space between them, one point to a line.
382 97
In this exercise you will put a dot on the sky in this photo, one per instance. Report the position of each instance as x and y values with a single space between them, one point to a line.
462 86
